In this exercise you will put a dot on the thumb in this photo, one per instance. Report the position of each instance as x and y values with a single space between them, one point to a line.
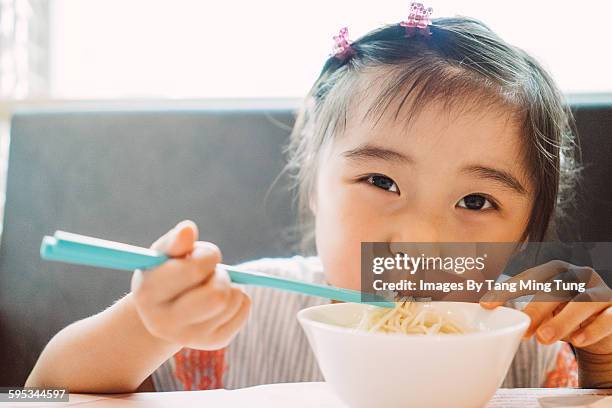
179 241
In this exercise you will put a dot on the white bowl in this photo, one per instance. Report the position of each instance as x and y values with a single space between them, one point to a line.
400 370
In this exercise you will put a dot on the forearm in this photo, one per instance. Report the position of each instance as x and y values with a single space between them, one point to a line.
107 353
594 370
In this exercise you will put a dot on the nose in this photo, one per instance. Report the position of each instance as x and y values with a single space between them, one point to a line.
417 235
417 229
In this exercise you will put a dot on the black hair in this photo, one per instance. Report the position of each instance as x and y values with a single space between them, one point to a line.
462 60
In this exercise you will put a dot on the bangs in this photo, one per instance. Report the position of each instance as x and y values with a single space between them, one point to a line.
462 68
404 90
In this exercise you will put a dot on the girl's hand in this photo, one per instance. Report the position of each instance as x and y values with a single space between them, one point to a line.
185 301
582 319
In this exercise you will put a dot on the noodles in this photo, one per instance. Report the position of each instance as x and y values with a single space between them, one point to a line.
408 318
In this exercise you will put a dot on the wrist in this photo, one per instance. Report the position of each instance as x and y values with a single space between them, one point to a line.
594 370
165 347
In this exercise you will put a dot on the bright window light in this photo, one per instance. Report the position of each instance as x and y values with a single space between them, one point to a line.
276 48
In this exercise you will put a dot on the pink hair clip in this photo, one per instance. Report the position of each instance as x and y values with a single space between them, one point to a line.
342 45
418 20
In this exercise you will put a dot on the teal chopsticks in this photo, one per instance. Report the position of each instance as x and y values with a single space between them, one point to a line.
83 250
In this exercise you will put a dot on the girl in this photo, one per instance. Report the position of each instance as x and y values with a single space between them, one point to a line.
416 132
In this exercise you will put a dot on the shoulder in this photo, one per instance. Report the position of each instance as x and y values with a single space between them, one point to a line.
305 268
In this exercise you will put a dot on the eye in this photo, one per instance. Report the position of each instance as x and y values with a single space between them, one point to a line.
476 202
383 182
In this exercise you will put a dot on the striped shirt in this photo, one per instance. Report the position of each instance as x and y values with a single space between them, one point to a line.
272 348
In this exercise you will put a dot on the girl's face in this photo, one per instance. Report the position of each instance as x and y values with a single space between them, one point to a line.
446 178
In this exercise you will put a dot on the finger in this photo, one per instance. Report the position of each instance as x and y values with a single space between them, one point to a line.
136 280
175 276
540 273
179 240
601 293
539 312
567 320
208 246
204 301
233 306
597 330
230 328
216 335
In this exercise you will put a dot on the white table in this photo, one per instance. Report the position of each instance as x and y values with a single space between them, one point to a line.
317 394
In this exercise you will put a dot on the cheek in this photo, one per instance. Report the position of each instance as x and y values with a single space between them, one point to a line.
511 226
342 223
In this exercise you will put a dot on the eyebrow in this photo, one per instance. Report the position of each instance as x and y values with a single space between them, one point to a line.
499 176
371 152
